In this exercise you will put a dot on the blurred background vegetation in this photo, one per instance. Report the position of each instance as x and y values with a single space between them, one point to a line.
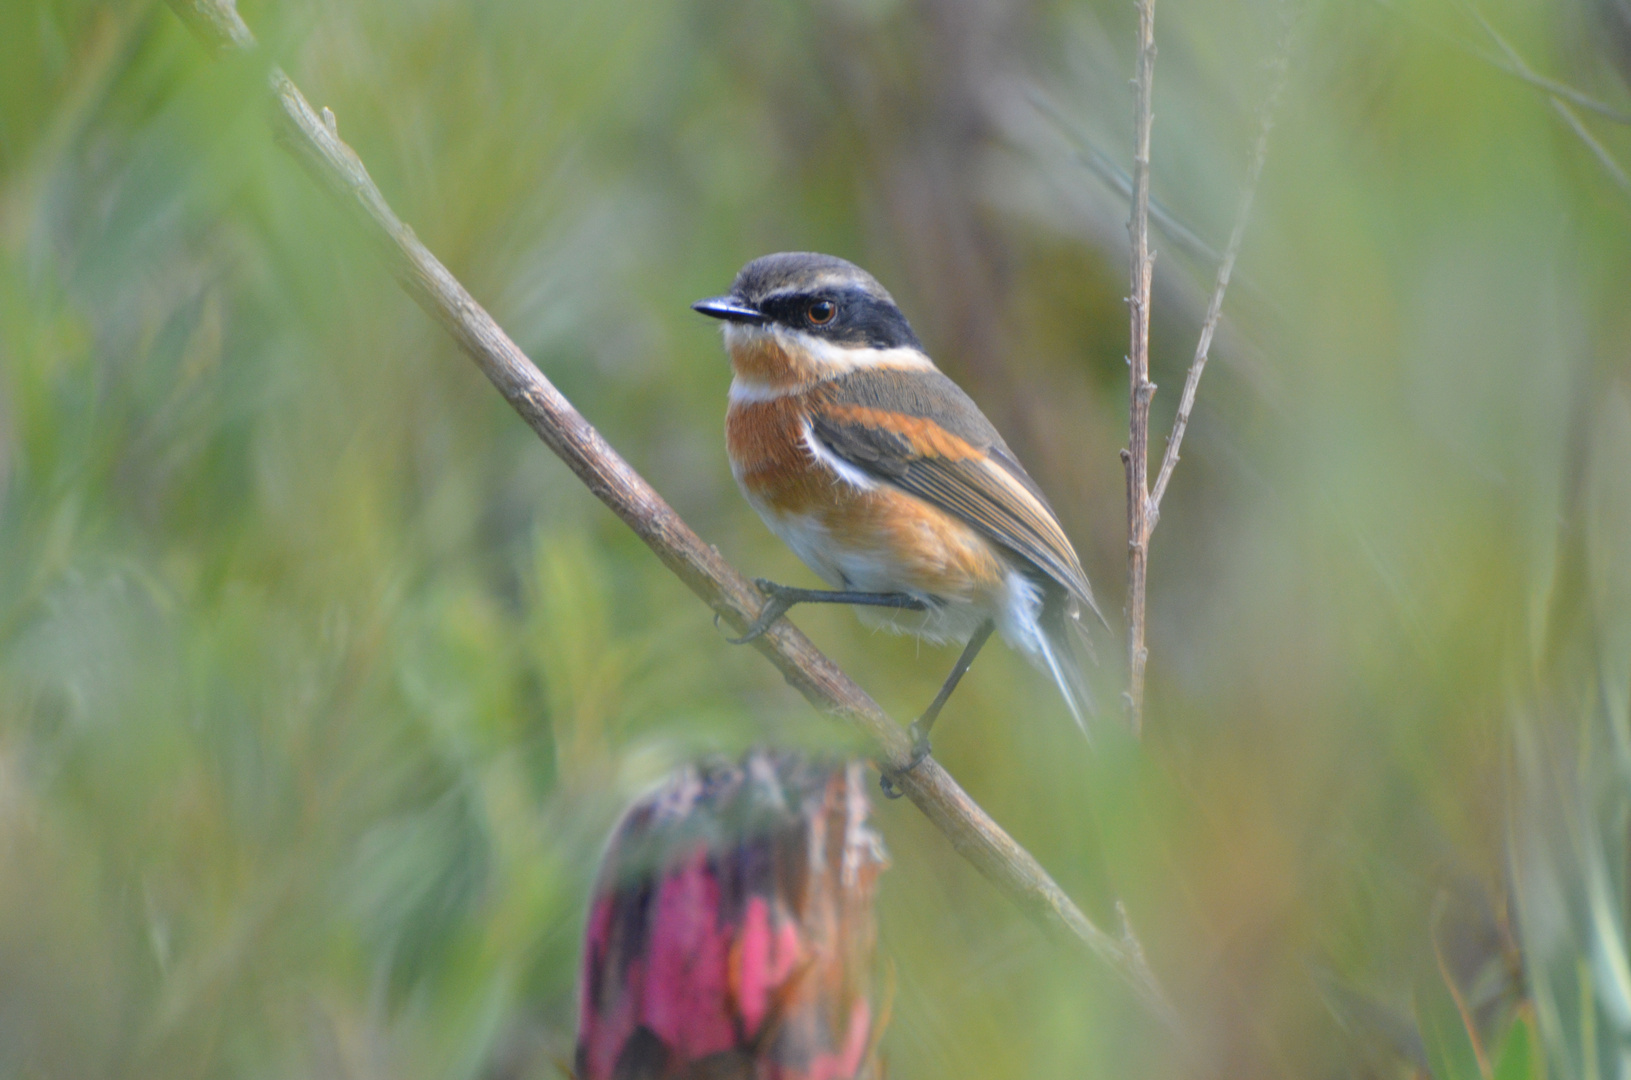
321 682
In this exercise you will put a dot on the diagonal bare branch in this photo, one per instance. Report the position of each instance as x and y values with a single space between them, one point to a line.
313 139
1214 309
1561 97
1102 165
1517 67
216 23
1521 71
1611 166
1513 65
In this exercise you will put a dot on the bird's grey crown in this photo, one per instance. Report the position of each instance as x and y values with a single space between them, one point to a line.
803 272
779 290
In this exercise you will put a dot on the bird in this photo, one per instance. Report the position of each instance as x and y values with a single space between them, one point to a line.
887 480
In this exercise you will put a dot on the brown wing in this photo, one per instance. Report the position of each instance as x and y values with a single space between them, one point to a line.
918 431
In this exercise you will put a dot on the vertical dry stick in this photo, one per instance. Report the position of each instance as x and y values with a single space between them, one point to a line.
1143 505
1135 459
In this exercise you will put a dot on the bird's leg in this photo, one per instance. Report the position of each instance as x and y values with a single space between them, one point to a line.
920 726
783 597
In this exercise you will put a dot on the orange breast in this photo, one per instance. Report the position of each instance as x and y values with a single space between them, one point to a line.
881 538
765 440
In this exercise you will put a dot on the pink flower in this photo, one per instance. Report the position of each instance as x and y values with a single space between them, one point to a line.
731 930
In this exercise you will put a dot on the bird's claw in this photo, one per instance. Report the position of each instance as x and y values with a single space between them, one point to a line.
774 609
920 750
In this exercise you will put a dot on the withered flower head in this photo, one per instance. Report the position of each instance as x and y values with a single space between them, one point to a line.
731 930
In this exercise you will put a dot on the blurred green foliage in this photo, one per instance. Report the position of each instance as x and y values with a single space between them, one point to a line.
321 683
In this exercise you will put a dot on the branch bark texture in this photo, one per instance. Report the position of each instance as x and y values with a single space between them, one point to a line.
315 141
1135 459
1143 504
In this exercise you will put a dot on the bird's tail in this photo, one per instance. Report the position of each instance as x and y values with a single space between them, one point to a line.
1066 653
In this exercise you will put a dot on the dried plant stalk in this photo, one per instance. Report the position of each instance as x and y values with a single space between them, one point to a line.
1136 458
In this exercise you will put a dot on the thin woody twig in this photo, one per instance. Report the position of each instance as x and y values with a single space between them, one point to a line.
1214 309
1518 69
1561 97
216 22
1516 66
1563 90
314 140
1135 459
1102 165
1144 505
1598 150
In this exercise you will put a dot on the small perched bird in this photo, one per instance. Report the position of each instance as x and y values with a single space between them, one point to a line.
886 479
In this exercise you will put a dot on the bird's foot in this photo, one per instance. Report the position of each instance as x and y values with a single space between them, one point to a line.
920 750
781 597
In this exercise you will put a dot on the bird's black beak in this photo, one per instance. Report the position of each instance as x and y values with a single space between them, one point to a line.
730 309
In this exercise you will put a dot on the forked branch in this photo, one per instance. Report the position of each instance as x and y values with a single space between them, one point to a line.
1143 504
1226 266
315 141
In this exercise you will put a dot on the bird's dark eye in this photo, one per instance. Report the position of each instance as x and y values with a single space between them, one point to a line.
821 312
